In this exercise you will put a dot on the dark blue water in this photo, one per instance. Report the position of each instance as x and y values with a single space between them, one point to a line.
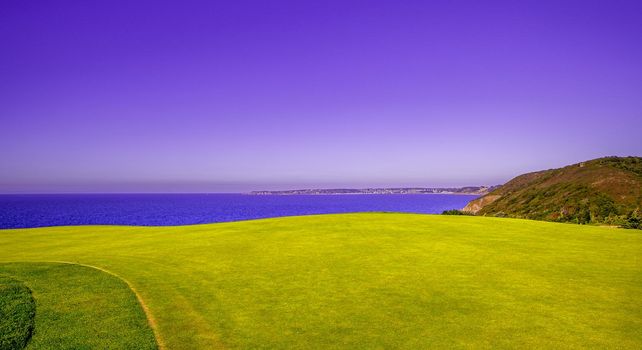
19 211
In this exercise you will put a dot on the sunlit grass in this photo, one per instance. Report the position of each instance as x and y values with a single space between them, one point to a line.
366 281
80 308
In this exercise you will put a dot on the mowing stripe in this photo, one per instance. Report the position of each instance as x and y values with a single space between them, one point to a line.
151 321
19 308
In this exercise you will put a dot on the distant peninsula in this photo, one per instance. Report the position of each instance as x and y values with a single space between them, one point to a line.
470 190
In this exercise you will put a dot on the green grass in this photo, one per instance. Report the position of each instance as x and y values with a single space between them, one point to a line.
17 312
367 281
79 307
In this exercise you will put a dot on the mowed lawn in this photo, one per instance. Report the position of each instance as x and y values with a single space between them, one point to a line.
367 281
77 307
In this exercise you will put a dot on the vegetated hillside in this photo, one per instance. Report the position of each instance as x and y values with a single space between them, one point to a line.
604 190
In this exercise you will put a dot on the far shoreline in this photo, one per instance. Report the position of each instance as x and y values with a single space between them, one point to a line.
361 194
466 190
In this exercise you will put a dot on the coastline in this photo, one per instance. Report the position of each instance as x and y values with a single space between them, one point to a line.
362 194
465 190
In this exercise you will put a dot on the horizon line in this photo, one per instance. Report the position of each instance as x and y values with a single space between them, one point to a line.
242 192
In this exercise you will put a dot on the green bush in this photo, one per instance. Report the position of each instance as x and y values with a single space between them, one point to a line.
633 220
455 212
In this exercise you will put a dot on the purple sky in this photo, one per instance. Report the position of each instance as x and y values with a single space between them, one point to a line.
137 96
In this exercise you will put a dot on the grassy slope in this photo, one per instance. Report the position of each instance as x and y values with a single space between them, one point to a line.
17 313
81 308
369 280
590 191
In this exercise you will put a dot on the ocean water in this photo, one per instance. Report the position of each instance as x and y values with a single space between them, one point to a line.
22 211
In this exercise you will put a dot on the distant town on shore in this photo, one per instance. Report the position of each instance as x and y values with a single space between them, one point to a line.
475 190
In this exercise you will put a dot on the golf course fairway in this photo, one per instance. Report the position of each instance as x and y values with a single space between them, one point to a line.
346 281
80 307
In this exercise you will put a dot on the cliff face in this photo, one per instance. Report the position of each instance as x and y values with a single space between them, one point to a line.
476 205
599 190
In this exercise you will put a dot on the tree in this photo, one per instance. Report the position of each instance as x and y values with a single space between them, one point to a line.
634 220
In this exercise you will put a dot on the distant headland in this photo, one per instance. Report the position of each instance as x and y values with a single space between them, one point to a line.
470 190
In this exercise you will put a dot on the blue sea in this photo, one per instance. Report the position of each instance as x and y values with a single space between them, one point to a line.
22 211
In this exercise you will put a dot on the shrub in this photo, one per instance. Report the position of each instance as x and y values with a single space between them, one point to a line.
633 220
455 212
